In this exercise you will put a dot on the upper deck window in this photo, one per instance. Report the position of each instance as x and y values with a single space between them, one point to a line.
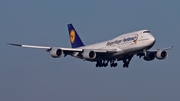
146 32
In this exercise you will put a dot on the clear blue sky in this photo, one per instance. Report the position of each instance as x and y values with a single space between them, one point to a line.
32 75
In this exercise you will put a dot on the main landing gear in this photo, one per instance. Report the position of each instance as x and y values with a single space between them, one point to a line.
104 63
126 61
101 63
113 64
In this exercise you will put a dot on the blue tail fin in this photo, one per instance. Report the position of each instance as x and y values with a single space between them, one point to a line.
74 37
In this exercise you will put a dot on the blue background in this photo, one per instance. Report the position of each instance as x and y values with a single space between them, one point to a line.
32 75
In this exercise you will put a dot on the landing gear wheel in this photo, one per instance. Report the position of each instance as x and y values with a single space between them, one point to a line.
126 61
125 65
115 64
101 63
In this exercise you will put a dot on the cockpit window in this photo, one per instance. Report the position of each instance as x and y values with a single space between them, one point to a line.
146 32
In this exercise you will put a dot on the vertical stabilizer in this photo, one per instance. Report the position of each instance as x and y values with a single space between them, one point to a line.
74 37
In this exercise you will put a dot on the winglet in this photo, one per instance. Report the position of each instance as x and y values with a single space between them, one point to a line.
171 47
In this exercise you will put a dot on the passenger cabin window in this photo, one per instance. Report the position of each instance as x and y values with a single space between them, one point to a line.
146 32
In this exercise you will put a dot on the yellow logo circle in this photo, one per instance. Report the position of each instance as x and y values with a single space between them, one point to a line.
72 36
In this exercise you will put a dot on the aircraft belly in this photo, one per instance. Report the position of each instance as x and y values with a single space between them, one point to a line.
129 51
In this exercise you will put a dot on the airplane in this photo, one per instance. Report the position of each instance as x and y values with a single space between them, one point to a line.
121 48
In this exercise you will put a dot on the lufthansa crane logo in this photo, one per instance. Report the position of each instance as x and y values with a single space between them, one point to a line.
72 36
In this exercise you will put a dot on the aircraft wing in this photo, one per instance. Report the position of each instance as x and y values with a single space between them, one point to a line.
68 51
46 47
154 51
168 48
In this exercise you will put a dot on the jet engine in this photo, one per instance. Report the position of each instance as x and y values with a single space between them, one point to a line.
161 54
56 53
88 54
149 56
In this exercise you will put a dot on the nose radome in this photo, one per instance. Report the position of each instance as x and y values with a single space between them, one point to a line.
153 40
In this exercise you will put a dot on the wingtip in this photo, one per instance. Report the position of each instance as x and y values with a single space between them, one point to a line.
14 44
171 47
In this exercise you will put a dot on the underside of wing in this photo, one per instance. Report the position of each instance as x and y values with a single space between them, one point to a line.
167 48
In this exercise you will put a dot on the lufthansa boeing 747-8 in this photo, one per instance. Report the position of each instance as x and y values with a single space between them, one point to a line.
121 48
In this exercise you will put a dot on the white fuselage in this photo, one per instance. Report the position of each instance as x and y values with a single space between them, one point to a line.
126 44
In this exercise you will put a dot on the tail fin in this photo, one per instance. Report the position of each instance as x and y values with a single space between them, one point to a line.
74 37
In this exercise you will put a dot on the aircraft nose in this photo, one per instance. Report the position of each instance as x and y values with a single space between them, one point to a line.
153 40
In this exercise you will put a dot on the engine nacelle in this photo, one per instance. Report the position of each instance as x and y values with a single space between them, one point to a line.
149 56
161 54
56 53
88 54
